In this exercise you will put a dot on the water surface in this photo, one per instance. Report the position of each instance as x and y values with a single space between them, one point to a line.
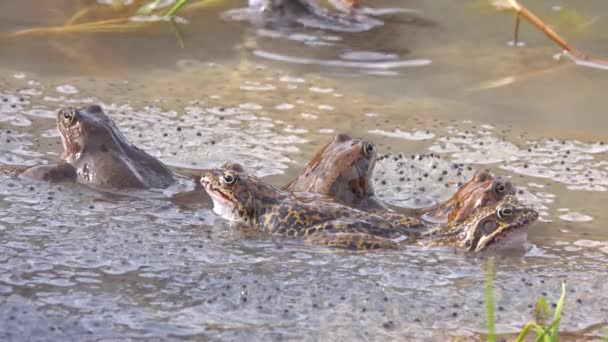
83 265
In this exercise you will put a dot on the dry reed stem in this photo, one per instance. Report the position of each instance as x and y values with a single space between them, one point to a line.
550 33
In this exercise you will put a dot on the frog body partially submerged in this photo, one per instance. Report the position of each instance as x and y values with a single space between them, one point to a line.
336 15
96 153
502 224
343 169
240 197
482 190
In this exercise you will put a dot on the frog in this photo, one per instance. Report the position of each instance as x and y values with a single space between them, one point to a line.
341 169
503 224
319 220
482 190
96 153
336 15
240 197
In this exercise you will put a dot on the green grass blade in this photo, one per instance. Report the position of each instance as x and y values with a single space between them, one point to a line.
490 301
178 33
541 310
558 313
178 5
547 333
524 332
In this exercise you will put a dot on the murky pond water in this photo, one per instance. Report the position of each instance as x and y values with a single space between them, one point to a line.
82 265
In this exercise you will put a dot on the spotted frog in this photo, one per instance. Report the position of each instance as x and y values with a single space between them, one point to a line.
320 220
240 197
98 154
501 224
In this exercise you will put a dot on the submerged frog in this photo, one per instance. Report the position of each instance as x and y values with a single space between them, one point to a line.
98 154
240 197
502 224
338 15
482 190
341 169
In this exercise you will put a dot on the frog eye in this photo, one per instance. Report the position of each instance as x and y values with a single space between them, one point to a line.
505 212
68 116
499 188
369 148
229 178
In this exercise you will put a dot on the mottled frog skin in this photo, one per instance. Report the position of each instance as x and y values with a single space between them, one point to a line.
482 190
240 197
341 169
344 167
96 153
321 220
502 224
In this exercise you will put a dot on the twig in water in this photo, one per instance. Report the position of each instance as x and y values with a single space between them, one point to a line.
536 21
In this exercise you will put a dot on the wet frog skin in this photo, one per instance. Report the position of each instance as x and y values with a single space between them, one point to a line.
482 190
96 153
240 197
502 224
319 220
341 169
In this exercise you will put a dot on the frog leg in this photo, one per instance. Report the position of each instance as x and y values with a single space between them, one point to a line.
62 172
351 240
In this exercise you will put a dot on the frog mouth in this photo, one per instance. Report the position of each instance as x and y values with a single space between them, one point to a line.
512 235
223 206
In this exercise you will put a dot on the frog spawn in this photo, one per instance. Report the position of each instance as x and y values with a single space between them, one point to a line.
578 165
206 136
417 181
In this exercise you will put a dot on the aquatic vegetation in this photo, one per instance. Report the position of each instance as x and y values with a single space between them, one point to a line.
544 332
119 19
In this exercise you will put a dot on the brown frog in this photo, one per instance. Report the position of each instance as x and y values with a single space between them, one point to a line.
96 153
341 169
240 197
482 190
319 220
501 224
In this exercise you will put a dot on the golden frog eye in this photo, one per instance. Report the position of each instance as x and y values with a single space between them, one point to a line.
505 212
369 148
230 178
68 116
